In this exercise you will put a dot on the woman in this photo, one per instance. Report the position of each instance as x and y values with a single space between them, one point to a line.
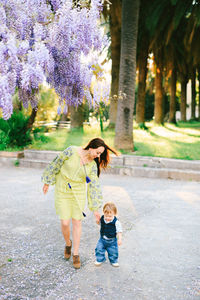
70 171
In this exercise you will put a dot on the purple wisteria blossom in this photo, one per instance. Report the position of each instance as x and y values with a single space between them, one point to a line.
47 40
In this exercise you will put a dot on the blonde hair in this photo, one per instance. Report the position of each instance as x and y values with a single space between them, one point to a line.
110 206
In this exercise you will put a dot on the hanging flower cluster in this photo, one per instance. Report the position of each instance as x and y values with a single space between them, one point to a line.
46 40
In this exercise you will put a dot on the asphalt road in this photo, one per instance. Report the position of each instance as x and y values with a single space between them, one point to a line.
159 257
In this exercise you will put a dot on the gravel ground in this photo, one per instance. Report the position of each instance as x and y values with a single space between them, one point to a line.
159 257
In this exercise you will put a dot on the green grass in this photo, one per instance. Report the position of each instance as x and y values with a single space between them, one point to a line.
181 141
62 138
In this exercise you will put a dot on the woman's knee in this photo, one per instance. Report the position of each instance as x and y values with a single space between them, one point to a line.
65 223
76 223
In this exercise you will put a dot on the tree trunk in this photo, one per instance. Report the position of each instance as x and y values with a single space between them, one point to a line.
115 32
142 74
32 118
172 105
193 104
124 123
183 98
159 95
77 117
199 95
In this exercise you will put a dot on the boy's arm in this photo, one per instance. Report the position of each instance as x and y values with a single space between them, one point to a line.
119 232
119 238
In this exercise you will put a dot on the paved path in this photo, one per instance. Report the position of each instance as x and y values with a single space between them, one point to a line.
159 258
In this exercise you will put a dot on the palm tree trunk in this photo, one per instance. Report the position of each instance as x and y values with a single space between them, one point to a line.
142 74
183 98
193 104
159 95
115 31
124 123
172 105
199 95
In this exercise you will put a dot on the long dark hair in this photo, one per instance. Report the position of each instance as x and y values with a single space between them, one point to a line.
104 158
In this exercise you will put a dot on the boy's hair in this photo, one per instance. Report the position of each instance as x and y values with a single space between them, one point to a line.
110 206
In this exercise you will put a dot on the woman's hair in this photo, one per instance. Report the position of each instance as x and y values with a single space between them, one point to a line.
110 206
104 159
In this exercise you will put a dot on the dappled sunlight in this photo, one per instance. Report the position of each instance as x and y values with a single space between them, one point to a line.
158 146
121 198
163 141
163 132
184 131
190 198
141 134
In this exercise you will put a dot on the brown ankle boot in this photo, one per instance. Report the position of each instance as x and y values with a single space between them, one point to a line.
76 261
67 252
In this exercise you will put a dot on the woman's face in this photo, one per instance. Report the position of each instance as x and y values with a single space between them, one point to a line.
94 153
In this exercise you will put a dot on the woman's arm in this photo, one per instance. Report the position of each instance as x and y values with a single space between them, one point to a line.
94 194
49 174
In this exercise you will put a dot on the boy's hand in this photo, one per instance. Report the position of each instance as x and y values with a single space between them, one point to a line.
119 242
97 216
45 188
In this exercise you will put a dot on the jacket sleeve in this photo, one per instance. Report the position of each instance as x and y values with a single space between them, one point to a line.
53 168
94 194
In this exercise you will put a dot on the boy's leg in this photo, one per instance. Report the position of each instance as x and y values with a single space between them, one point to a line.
100 251
112 249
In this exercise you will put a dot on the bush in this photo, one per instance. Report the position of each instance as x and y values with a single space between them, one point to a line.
16 130
38 134
4 140
4 125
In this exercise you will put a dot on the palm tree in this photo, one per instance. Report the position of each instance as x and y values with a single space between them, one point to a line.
199 95
115 33
124 123
193 90
165 18
142 56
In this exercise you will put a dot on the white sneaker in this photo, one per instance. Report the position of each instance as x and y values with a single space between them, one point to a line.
115 264
98 263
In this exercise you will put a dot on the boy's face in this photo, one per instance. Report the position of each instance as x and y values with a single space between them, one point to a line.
108 215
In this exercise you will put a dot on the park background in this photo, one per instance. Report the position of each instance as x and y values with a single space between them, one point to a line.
143 99
146 80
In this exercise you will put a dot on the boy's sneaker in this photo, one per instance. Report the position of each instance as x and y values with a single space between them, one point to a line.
115 264
98 263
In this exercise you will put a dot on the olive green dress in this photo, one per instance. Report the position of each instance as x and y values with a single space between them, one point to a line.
69 177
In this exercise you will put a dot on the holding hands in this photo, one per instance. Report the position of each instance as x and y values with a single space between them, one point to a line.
97 216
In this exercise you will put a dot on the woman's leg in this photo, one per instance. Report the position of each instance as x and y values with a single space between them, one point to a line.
76 233
65 227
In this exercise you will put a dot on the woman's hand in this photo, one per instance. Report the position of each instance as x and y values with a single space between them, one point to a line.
45 188
97 216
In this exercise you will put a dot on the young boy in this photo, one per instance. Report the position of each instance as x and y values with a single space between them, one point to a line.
110 236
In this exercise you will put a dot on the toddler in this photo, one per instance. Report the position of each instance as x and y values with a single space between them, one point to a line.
110 236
